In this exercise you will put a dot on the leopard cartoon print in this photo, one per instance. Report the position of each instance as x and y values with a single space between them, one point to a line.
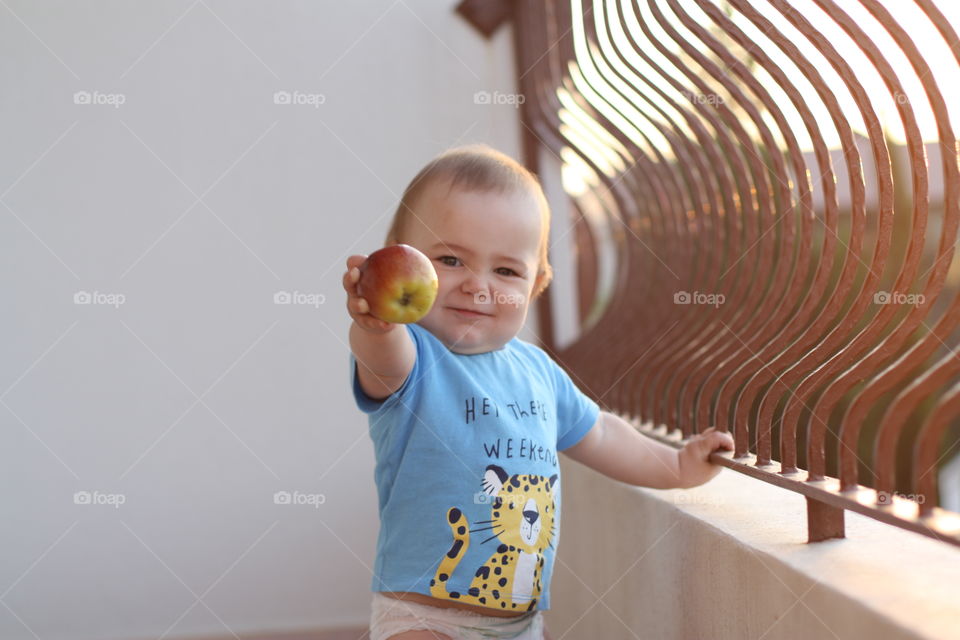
522 510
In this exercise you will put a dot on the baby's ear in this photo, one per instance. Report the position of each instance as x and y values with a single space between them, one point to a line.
539 285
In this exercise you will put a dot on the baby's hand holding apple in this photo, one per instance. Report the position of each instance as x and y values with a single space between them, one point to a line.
358 307
399 283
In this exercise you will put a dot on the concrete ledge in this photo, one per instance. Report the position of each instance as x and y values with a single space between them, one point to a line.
730 560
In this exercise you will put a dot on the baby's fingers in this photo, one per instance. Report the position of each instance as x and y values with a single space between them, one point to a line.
355 261
372 323
350 278
359 310
358 305
718 439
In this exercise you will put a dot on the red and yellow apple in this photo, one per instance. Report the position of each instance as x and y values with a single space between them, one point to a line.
399 283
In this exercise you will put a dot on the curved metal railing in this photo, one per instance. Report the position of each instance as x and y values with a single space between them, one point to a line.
777 183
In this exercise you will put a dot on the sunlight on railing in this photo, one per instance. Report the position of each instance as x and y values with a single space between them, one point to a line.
777 185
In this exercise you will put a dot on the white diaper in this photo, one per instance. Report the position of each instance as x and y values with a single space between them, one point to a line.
390 616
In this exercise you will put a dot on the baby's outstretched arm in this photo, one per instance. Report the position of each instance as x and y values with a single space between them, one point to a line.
617 450
384 351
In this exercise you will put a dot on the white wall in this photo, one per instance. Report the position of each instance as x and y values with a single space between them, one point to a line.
198 199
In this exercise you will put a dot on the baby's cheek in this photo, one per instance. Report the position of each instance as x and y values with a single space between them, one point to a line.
443 283
511 298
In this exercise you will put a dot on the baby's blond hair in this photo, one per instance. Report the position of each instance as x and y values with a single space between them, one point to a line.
482 169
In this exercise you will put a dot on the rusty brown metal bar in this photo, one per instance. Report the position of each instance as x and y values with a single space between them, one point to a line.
782 273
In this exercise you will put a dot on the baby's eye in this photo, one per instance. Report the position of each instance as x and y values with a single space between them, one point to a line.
444 259
508 271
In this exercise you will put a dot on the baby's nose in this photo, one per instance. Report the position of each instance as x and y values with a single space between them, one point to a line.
474 284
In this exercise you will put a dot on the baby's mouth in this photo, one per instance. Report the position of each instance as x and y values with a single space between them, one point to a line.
469 313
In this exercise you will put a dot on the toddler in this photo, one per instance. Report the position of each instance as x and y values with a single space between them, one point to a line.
467 419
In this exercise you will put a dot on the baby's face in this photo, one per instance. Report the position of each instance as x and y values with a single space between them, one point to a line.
485 248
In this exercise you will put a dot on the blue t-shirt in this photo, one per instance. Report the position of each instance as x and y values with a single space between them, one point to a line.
467 472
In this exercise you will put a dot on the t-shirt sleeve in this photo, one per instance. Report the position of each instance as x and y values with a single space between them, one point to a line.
371 405
576 412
